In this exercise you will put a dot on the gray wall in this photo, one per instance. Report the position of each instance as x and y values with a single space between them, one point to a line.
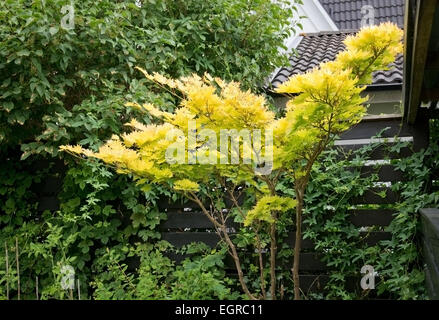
380 102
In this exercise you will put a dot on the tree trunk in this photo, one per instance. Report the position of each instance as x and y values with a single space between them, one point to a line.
298 243
273 250
261 266
237 264
222 229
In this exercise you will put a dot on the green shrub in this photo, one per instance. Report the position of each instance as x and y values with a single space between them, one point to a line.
61 86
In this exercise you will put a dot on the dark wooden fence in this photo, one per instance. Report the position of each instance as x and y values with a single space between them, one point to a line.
186 224
430 241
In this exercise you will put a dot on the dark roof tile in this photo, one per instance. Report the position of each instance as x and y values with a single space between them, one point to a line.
346 14
322 47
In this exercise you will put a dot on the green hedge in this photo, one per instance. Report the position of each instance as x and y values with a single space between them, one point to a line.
61 86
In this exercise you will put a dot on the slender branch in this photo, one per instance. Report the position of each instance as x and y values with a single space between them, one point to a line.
261 265
7 271
36 288
300 187
273 252
229 242
297 244
18 268
79 288
258 244
273 241
361 75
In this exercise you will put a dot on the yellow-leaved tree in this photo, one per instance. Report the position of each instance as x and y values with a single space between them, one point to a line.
222 134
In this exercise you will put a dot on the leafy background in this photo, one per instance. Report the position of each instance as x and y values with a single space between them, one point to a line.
67 86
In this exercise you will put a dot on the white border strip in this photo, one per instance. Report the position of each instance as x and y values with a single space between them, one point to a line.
375 140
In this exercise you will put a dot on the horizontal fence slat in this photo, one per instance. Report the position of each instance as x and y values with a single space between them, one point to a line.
193 220
291 241
197 220
372 196
50 186
311 262
48 203
186 220
366 218
368 129
177 205
313 283
316 283
385 173
374 238
181 205
379 153
180 239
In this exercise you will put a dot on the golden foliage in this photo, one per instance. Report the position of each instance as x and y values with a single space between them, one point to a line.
327 101
266 205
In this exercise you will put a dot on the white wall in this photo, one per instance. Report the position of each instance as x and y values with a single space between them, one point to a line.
316 20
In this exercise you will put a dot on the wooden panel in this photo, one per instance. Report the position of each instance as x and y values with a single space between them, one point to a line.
430 239
368 129
317 283
180 205
429 113
379 153
374 238
193 219
50 186
291 240
372 197
430 231
366 218
313 283
311 262
386 173
178 219
180 239
432 281
48 203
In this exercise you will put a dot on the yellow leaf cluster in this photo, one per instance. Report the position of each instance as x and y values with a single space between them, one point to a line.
186 185
265 206
327 101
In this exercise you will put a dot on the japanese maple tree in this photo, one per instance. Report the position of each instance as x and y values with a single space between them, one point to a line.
189 148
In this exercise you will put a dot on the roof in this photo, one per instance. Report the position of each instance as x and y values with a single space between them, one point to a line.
347 14
315 48
323 47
